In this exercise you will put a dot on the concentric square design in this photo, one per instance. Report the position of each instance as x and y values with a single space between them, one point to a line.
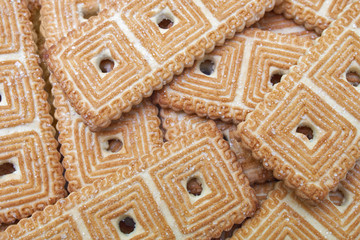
331 132
10 37
14 83
98 87
284 214
132 198
189 23
237 76
314 94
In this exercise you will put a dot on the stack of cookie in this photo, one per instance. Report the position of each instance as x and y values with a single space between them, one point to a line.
180 119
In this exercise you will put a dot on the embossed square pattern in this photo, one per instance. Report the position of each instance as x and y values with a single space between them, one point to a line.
229 82
209 176
307 128
155 196
30 170
146 42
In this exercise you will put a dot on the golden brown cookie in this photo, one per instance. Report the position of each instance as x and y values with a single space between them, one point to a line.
118 57
154 200
30 171
177 123
283 215
279 24
312 14
229 82
307 128
87 155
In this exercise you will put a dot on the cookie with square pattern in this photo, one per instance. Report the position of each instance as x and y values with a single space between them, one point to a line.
177 123
283 214
191 188
229 82
88 155
30 169
113 60
307 128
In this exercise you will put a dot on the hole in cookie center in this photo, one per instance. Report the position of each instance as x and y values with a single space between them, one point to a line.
207 67
90 12
307 131
6 168
275 78
127 225
194 187
0 98
165 22
115 145
337 197
353 78
106 65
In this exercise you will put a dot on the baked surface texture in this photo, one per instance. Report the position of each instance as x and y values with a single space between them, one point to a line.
229 82
87 154
313 14
155 195
144 52
30 169
318 95
178 123
283 215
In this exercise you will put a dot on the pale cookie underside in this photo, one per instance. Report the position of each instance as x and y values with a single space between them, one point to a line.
315 96
131 34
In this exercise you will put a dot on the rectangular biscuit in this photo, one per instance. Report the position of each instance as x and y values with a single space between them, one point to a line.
283 215
178 123
31 174
307 128
131 48
229 82
87 155
157 200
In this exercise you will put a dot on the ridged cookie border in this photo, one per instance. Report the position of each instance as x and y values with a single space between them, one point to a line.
65 124
282 171
250 226
212 109
207 130
302 16
97 119
47 131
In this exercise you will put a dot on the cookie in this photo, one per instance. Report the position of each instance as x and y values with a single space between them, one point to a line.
284 215
87 155
132 48
177 123
314 15
31 174
232 79
307 128
191 188
279 24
